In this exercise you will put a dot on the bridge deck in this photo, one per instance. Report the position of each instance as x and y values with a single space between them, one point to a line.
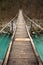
22 52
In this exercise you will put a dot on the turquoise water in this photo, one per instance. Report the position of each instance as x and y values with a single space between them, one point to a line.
38 41
4 44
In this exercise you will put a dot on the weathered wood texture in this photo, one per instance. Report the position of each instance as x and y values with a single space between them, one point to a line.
22 52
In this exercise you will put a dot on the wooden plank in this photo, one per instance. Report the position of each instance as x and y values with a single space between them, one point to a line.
22 39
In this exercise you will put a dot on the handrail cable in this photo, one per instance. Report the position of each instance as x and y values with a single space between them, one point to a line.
8 24
33 21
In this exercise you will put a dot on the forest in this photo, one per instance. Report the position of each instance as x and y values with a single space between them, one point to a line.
32 8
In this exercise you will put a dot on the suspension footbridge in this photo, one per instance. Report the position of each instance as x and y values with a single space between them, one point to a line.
20 47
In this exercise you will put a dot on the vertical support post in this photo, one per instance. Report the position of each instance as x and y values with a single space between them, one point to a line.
12 30
31 28
12 26
31 24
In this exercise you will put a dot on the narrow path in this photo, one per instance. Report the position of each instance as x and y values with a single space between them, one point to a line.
21 53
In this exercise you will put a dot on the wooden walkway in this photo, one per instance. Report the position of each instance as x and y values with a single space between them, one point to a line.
22 52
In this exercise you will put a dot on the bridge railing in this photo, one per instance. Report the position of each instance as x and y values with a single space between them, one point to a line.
32 42
32 22
12 20
5 61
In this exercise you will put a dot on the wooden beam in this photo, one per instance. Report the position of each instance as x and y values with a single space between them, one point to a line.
36 54
4 62
9 49
22 39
